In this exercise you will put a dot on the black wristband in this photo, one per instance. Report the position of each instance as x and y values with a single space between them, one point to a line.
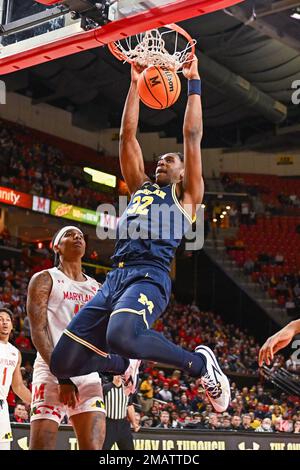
194 87
65 382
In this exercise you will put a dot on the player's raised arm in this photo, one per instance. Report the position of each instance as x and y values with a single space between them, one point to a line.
39 290
280 340
193 184
17 383
131 157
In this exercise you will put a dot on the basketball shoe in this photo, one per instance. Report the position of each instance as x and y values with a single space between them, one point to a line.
214 382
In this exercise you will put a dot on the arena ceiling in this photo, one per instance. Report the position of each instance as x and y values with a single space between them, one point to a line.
258 41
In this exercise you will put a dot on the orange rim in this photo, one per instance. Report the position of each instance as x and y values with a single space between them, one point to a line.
114 49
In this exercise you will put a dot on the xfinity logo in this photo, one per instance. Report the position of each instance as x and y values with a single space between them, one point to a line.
2 92
296 93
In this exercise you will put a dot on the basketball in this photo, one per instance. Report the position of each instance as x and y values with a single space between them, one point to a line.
158 87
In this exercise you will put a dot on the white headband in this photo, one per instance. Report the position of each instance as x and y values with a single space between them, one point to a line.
62 232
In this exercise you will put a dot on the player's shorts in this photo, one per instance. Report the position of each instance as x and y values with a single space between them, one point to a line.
5 428
5 445
46 405
139 290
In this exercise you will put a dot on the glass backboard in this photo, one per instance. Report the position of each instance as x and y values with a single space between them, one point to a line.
33 32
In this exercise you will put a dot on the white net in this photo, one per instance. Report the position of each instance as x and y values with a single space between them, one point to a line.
165 48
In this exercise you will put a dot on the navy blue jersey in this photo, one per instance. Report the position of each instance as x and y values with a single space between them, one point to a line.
152 226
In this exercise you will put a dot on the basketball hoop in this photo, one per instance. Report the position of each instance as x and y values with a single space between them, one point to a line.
169 46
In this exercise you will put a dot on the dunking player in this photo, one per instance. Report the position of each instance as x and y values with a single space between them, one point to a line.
137 291
10 375
54 297
278 341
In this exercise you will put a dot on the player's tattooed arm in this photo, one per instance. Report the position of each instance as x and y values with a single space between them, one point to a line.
193 184
131 157
39 290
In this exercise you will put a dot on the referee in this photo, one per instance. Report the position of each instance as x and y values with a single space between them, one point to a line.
119 407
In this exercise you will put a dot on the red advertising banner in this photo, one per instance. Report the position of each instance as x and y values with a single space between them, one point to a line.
15 198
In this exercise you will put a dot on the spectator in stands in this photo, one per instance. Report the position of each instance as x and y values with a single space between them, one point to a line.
297 427
192 391
22 342
293 200
183 404
176 394
287 424
175 378
20 414
165 393
246 423
213 422
258 394
260 411
245 212
147 422
192 422
164 420
226 422
233 216
182 417
26 327
266 426
256 205
236 423
175 423
154 413
147 392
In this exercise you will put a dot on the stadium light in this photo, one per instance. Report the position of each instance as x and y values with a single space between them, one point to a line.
101 178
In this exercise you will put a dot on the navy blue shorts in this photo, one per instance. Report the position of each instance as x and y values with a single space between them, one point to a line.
141 290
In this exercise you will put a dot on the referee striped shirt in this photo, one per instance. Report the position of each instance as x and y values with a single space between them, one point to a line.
116 402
